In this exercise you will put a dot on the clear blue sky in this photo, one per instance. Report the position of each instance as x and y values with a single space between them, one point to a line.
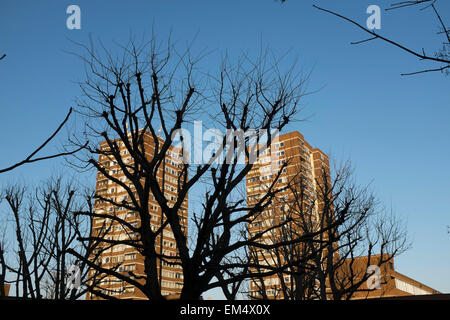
394 129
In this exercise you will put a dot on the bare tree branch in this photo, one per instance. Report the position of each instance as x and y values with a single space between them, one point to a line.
30 158
441 57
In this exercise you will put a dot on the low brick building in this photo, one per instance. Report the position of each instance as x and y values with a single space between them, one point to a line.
392 283
6 286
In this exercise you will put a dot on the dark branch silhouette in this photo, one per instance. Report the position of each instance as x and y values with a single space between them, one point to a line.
133 99
442 57
328 265
30 159
45 229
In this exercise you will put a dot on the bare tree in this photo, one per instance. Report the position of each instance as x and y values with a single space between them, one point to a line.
285 271
440 59
366 231
354 233
146 88
45 227
14 197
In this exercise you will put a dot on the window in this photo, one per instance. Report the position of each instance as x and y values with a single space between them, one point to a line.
407 287
130 256
129 267
128 290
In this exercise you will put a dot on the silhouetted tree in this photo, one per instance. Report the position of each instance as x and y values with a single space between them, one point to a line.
146 91
45 227
329 265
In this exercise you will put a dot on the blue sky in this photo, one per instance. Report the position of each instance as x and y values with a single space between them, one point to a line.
394 129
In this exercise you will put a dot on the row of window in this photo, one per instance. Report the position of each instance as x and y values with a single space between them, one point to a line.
171 284
172 274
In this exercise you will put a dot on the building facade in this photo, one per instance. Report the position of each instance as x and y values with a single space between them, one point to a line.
125 258
301 168
6 287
